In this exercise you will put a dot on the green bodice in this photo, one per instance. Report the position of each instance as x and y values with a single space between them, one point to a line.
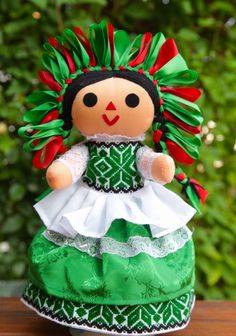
112 166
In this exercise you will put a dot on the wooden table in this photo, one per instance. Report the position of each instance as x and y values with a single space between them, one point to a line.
209 318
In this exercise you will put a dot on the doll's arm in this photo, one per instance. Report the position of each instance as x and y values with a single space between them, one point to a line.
68 168
155 166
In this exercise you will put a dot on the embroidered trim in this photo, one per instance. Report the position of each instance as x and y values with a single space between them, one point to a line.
114 138
136 319
109 144
112 190
96 247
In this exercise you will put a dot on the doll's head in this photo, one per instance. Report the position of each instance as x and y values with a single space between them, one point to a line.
111 102
109 84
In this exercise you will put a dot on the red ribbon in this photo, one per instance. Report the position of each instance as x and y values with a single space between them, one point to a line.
167 52
181 124
110 30
69 60
63 51
195 185
53 42
201 192
44 156
86 44
157 135
190 94
68 81
46 78
54 114
178 153
181 177
145 44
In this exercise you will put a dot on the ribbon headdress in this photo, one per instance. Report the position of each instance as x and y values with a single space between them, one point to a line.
175 129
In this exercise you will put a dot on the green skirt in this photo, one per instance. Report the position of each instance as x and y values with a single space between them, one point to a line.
126 282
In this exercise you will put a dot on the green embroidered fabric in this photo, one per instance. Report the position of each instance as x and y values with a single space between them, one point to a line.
67 273
112 167
136 319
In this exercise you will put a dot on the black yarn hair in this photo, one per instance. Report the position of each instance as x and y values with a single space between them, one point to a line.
93 77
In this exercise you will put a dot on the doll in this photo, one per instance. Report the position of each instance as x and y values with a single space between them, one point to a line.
114 255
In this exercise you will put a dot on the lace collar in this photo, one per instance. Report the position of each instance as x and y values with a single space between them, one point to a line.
114 138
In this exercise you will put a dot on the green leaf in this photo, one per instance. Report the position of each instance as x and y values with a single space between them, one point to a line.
188 35
137 11
74 2
18 268
207 22
16 192
41 4
214 276
12 224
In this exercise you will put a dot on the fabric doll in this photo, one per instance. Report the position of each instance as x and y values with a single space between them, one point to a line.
115 254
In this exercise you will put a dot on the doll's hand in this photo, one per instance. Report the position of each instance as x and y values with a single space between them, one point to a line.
58 176
163 168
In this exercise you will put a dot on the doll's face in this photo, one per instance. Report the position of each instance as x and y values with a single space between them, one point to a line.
114 106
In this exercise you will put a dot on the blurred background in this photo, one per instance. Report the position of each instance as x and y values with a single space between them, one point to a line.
205 32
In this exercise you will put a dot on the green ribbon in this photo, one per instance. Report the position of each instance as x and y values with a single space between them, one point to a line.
189 191
131 51
121 45
43 134
184 77
44 194
134 48
169 96
29 146
43 128
191 116
41 97
176 63
189 145
79 53
36 114
157 42
51 65
194 199
56 63
100 43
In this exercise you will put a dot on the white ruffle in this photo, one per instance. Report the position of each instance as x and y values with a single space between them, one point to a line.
116 138
83 210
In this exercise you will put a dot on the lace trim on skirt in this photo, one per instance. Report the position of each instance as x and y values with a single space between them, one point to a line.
96 247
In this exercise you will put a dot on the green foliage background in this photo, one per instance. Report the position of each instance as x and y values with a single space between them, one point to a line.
205 32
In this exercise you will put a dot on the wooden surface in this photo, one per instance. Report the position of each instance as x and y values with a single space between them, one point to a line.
209 318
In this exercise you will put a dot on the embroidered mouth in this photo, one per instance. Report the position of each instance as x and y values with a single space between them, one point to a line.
112 121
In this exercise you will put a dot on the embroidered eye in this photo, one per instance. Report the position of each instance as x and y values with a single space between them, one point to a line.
90 99
132 100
